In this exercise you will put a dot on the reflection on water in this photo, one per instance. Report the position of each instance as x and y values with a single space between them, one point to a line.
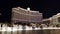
54 31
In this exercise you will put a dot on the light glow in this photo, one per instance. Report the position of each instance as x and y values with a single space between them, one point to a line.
20 27
16 28
28 9
3 29
28 28
9 28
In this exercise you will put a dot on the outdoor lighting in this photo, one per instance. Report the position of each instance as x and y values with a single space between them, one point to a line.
37 28
3 29
14 29
28 28
20 27
28 9
9 28
58 14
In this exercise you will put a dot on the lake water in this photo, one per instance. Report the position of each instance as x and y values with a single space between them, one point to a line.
51 31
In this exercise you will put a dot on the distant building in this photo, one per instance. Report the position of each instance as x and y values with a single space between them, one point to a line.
58 17
25 16
55 19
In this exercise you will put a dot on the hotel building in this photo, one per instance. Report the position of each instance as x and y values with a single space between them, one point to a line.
20 15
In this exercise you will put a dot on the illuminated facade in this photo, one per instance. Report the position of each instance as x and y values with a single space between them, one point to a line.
55 19
26 16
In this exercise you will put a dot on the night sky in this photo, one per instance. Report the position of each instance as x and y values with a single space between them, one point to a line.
47 7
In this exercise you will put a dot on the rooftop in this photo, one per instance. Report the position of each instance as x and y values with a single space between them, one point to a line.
28 9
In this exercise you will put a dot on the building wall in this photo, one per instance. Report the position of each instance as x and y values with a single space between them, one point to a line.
56 19
28 16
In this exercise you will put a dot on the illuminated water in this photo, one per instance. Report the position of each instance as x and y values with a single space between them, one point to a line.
16 30
28 30
31 32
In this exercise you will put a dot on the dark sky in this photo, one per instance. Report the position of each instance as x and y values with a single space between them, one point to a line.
47 7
